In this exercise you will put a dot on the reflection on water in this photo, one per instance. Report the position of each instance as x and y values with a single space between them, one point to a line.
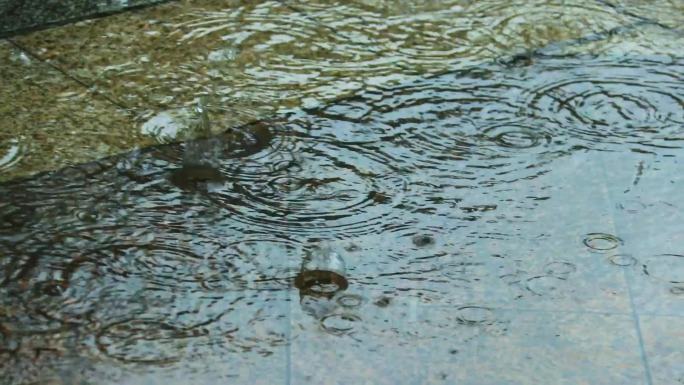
422 214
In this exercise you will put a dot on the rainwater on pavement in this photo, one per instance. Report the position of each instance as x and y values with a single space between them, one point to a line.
342 192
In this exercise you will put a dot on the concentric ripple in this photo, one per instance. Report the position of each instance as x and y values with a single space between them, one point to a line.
464 128
326 189
603 103
534 23
142 341
668 268
162 265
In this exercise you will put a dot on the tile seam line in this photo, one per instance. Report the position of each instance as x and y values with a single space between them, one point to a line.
59 23
69 76
637 325
635 316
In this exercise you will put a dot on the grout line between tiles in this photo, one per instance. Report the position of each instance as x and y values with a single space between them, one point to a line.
637 325
83 84
627 281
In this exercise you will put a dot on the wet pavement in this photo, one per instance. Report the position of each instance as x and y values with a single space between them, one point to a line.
305 192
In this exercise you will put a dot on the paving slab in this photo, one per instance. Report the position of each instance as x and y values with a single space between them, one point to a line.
431 37
49 121
249 59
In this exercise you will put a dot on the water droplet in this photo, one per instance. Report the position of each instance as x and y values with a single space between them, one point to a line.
602 242
320 283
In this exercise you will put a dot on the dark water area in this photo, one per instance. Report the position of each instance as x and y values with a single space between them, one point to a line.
21 16
469 216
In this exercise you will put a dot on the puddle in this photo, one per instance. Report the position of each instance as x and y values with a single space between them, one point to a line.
492 213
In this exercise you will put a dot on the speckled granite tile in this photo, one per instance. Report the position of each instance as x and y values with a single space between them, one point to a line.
432 36
249 58
48 121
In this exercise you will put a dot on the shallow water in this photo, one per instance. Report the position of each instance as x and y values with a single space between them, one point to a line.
459 203
515 221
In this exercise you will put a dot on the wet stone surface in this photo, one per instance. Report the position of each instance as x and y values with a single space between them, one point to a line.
22 15
500 224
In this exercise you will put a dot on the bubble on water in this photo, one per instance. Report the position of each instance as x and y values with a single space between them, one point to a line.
601 242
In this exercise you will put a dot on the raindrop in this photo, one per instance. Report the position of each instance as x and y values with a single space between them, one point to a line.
677 290
340 324
601 242
322 273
